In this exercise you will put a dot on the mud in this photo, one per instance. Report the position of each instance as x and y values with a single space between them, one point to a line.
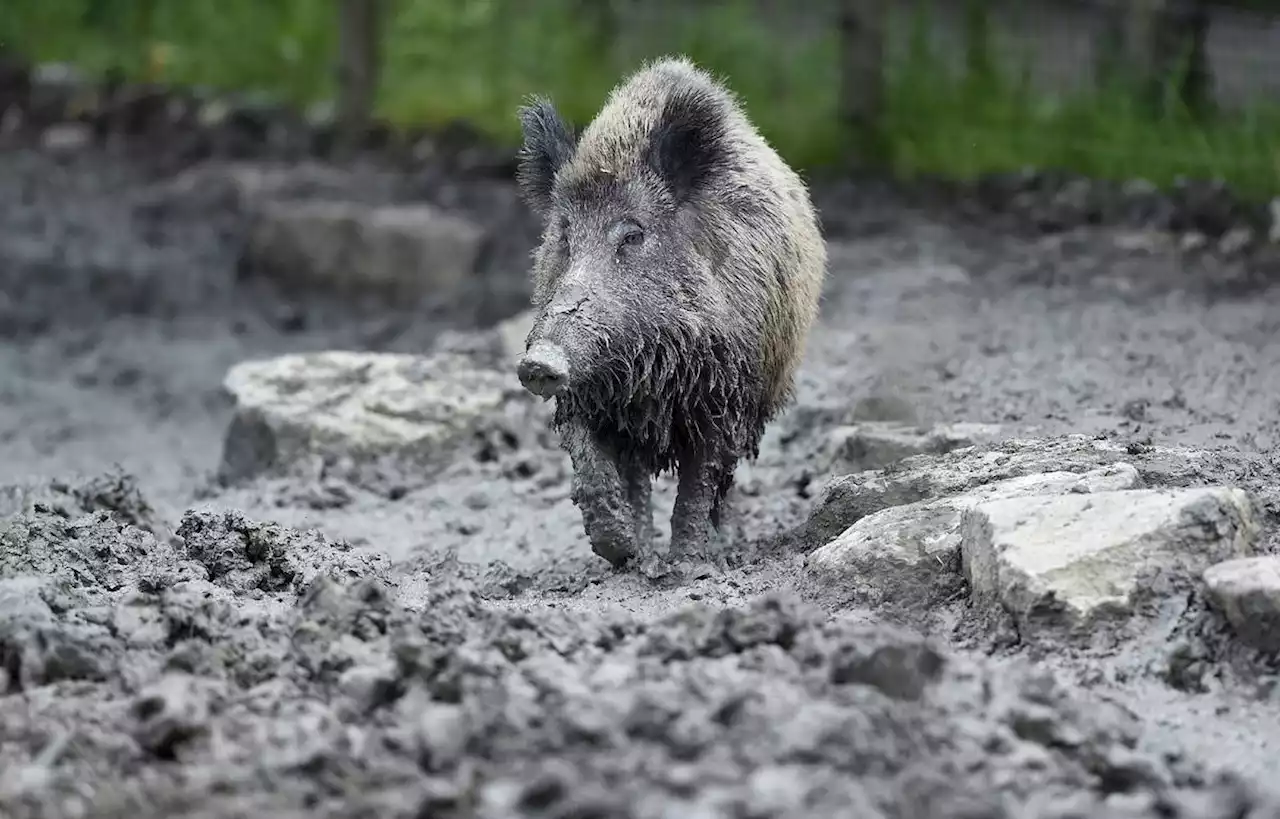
170 646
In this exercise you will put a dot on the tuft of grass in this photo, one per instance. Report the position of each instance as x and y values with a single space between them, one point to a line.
990 119
476 60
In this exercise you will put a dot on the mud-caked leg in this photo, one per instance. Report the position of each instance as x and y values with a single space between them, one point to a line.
726 516
601 494
638 485
692 527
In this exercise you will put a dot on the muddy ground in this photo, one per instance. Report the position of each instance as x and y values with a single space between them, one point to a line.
170 652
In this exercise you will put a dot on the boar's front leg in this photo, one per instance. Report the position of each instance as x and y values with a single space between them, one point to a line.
638 485
697 512
605 497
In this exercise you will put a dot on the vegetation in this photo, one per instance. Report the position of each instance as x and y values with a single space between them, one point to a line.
474 60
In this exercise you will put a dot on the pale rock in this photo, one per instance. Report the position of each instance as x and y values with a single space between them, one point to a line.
11 119
1145 242
1193 241
357 406
66 138
875 445
1073 560
1234 241
214 113
1247 591
895 554
59 91
512 333
498 347
409 250
248 187
173 710
252 184
847 498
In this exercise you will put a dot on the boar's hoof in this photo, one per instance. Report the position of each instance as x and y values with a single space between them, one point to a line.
544 370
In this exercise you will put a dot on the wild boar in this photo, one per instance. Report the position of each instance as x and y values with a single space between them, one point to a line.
675 285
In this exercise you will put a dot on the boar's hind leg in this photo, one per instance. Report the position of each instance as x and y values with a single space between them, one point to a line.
600 493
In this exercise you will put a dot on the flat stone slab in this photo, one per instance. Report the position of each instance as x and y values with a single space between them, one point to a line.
1247 591
896 555
411 250
293 409
847 498
1072 560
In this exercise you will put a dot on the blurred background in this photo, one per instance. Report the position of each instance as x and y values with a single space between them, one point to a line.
1119 89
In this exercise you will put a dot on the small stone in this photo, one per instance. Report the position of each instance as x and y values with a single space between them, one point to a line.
1247 591
368 686
1139 187
1140 241
172 712
1235 240
1192 241
66 138
875 445
360 406
322 114
442 734
1273 208
213 113
1069 560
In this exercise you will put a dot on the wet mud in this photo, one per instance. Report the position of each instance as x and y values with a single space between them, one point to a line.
448 645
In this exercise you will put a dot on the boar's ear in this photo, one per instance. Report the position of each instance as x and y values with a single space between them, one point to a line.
689 142
548 144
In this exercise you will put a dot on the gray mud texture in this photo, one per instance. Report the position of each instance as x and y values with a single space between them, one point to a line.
446 644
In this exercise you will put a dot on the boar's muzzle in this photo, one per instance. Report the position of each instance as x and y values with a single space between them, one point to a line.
554 343
544 369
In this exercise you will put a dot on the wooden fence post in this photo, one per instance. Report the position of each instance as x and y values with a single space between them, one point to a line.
863 27
359 59
1149 43
1182 49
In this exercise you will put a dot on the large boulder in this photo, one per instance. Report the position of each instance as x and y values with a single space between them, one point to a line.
409 250
909 555
845 499
296 410
1071 561
1059 533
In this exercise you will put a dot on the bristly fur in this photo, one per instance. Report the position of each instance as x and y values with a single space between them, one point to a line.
549 144
663 391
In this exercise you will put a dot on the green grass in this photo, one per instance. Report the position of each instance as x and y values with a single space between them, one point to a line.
475 60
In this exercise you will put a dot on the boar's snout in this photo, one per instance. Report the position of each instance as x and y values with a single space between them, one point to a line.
544 369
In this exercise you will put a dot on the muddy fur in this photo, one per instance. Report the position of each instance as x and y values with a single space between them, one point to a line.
684 343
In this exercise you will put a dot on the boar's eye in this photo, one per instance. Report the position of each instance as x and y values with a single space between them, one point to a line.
628 234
